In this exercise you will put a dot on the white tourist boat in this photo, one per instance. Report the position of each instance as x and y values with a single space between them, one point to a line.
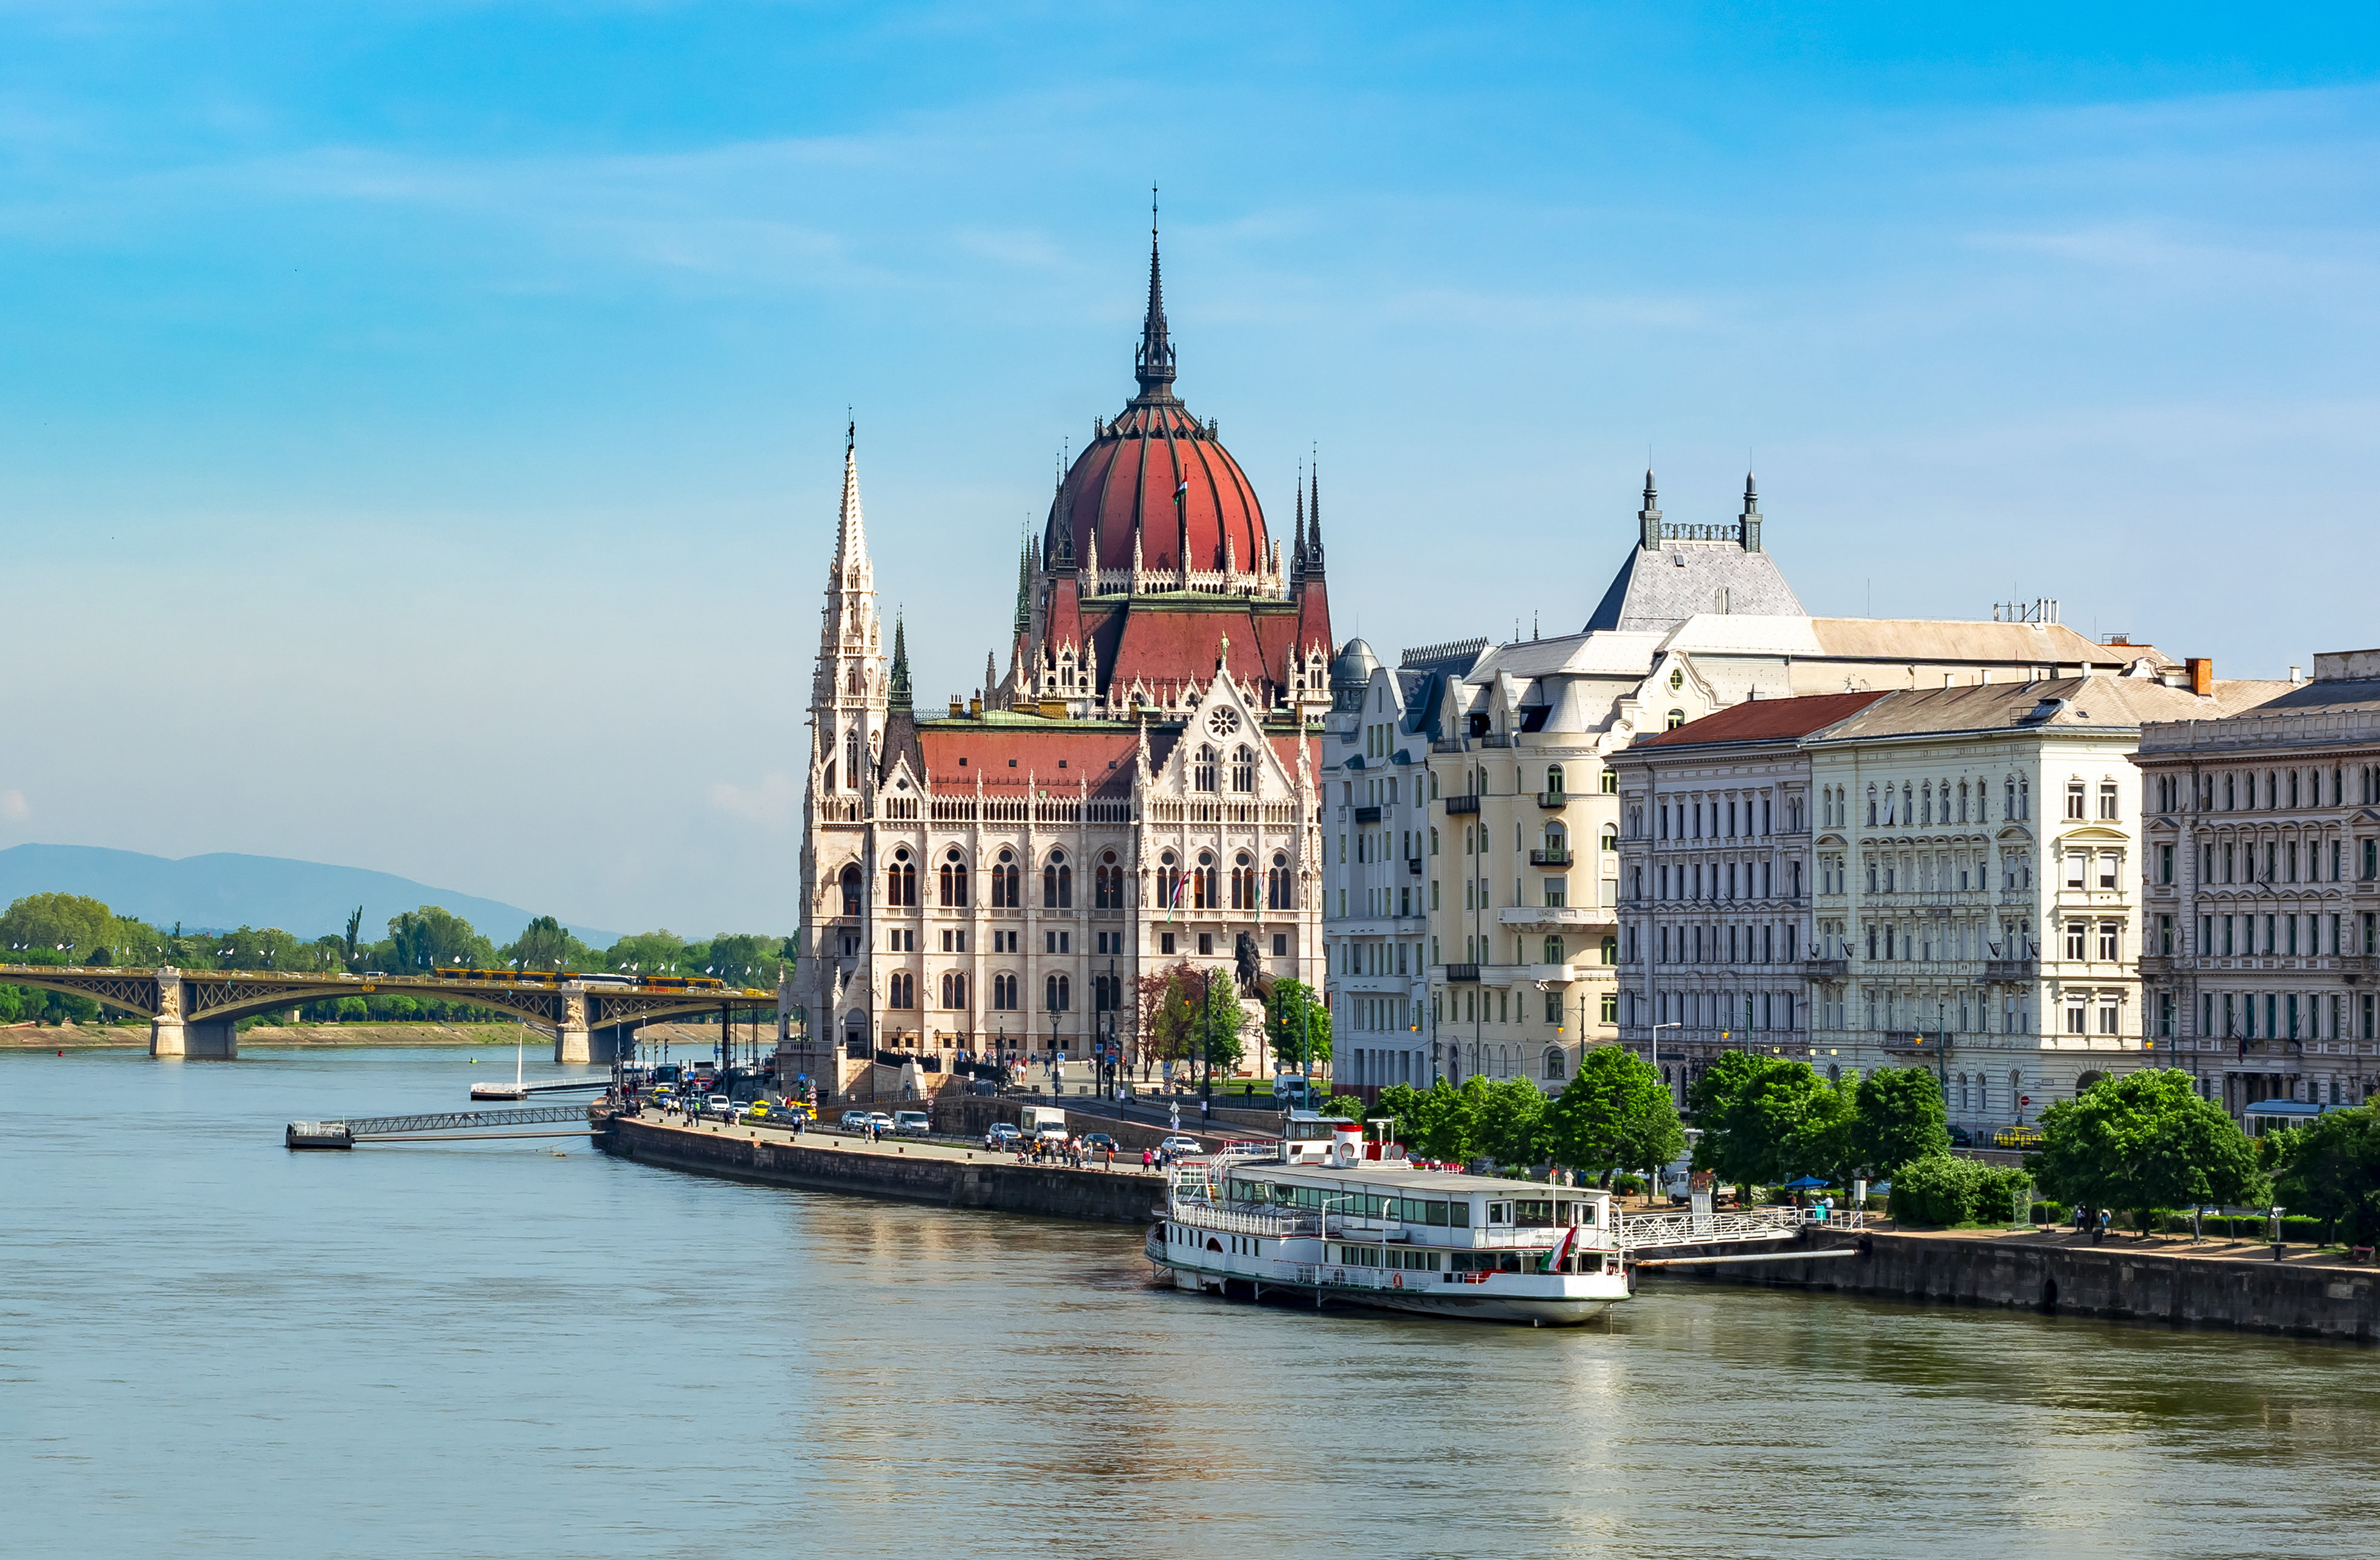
1328 1216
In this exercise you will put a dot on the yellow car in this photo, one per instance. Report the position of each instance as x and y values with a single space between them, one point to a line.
2016 1137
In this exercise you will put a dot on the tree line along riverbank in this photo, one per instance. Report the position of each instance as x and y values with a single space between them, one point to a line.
72 1036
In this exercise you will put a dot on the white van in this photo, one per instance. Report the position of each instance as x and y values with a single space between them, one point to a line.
1043 1122
912 1123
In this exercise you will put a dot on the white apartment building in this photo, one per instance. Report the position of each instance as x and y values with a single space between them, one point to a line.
1524 819
1948 878
1375 774
2263 967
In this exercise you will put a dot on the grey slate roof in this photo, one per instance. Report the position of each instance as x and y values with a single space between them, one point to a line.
1656 591
2054 704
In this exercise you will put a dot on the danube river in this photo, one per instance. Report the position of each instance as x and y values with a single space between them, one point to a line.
211 1346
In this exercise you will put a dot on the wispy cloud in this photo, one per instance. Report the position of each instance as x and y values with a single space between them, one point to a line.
14 807
772 803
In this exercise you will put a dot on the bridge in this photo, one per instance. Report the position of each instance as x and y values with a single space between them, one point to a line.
196 1012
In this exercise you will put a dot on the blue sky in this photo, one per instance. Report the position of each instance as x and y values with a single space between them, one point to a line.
419 424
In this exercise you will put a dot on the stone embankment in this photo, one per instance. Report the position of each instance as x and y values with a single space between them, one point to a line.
912 1172
2242 1288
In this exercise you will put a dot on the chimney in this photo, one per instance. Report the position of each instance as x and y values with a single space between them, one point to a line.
2201 676
2294 678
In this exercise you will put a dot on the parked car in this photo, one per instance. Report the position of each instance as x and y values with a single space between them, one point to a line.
1178 1144
2016 1137
1097 1142
1002 1136
854 1121
1962 1137
719 1105
912 1123
881 1121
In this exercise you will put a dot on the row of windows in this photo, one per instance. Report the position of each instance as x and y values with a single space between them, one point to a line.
1925 803
1108 878
1057 991
2225 936
1477 784
2274 1015
1727 1011
1736 943
1757 879
2233 790
2232 861
1728 818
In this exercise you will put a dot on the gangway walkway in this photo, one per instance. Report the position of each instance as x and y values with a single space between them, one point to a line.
347 1132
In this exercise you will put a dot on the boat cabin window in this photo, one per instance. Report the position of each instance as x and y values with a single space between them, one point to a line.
1577 1211
1500 1214
1533 1213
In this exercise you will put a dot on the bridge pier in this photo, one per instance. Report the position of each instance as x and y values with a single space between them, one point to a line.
170 1035
572 1044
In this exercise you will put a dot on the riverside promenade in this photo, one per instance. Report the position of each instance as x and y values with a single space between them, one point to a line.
2216 1284
907 1169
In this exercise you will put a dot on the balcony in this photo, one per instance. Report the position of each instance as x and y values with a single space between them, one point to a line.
1555 974
1550 858
1463 973
1456 805
1555 915
1553 798
2010 969
1826 968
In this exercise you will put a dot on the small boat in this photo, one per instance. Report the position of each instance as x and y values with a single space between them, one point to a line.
516 1090
1327 1216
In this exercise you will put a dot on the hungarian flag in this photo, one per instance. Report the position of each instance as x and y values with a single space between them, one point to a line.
1561 1248
1180 883
1182 490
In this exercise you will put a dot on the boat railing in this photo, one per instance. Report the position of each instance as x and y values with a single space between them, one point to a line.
1231 1219
1640 1231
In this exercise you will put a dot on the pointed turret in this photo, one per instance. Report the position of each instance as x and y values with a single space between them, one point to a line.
898 700
851 532
1153 361
1649 519
1748 524
1297 558
1314 517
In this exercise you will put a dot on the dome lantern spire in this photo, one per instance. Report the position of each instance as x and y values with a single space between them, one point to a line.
1153 362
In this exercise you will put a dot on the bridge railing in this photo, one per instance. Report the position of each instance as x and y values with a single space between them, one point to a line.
1647 1231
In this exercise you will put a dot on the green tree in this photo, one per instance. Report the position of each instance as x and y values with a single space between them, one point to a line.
2144 1141
2330 1169
1168 1014
743 959
1218 1034
1824 1139
1940 1189
545 944
1292 1012
1899 1119
1434 1123
355 930
1615 1114
1764 1119
1508 1122
59 928
649 953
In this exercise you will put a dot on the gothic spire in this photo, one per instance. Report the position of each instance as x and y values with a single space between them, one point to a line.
1297 558
1024 598
1649 519
1153 362
851 533
1747 525
900 701
1314 517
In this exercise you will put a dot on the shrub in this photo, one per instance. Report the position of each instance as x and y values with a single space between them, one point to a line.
1944 1189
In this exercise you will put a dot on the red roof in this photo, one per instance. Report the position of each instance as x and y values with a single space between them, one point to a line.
1765 720
1056 758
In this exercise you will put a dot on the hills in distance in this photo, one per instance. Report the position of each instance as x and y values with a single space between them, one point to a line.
222 891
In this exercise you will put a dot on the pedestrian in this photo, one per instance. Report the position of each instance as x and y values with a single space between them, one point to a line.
1111 1155
1145 1161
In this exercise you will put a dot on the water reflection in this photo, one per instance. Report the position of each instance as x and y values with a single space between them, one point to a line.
208 1345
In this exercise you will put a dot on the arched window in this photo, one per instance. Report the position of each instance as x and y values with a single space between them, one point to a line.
1277 895
901 879
1433 840
905 990
1244 769
1611 950
1677 718
1169 880
1553 1064
1057 883
1244 882
1553 780
1004 885
851 891
1557 841
953 989
954 884
1611 782
851 759
1003 992
1611 836
1554 950
1202 773
1203 886
1056 995
1107 882
1871 806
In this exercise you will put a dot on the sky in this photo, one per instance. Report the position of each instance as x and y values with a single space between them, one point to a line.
420 424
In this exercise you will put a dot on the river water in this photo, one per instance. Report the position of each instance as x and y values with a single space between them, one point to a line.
211 1346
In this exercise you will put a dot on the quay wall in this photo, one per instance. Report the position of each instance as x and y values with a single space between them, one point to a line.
998 1184
2301 1298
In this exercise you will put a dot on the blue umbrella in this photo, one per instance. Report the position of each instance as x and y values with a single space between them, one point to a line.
1807 1183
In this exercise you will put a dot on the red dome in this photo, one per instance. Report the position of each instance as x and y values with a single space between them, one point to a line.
1129 478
